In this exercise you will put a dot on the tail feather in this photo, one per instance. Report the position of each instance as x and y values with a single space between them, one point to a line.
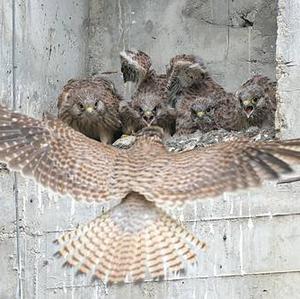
134 241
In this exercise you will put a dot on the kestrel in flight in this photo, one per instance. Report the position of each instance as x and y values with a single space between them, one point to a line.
136 239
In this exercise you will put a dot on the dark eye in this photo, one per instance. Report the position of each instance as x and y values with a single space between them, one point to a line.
140 110
81 106
254 100
208 110
96 104
155 109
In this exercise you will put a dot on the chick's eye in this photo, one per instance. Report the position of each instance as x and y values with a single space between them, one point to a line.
80 105
96 104
254 101
208 110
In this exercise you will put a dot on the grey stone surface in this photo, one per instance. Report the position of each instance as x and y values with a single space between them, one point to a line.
252 236
51 45
235 38
288 67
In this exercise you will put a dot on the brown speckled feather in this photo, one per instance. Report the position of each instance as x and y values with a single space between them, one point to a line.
209 113
188 77
91 106
135 65
135 239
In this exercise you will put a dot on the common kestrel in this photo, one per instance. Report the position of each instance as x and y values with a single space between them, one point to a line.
134 240
149 103
188 76
91 106
258 100
208 113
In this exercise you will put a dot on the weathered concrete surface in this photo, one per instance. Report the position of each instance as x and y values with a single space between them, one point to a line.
235 38
288 68
253 236
51 43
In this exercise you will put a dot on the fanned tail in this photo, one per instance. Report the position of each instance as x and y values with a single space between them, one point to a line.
134 241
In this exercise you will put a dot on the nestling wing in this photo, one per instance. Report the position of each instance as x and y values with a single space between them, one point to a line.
134 65
183 71
57 156
174 178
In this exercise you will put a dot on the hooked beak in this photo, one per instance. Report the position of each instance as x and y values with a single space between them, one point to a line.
148 113
89 109
200 114
248 108
148 117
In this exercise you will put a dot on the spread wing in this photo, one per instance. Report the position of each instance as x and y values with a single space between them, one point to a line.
174 178
58 157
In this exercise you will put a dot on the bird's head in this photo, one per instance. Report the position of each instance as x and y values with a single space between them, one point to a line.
85 104
150 109
203 111
252 100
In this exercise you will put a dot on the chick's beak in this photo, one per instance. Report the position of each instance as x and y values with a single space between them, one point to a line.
248 108
200 114
89 109
148 117
148 113
246 103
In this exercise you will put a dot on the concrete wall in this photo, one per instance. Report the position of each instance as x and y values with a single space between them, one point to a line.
288 67
253 237
235 38
51 44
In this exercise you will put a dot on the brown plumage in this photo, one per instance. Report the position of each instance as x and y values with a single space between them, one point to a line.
148 105
208 113
135 65
189 77
196 114
257 97
91 106
136 239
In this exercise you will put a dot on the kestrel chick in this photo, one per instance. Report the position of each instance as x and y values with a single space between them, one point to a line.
136 239
184 70
91 106
257 97
187 74
148 105
209 113
198 115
